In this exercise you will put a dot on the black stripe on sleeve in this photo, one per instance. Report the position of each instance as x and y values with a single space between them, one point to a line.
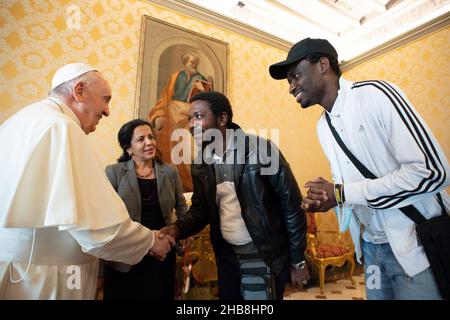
418 132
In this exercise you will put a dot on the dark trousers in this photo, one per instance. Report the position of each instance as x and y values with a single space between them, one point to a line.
229 278
150 279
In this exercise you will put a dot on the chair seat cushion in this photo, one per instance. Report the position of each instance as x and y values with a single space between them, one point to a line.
327 251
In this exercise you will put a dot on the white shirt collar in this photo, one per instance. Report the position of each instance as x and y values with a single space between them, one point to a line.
344 86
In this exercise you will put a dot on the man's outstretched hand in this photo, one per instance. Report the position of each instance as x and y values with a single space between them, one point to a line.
163 243
171 230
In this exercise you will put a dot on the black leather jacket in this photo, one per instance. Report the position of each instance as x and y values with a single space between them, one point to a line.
270 207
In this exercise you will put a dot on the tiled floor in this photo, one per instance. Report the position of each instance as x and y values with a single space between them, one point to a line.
335 290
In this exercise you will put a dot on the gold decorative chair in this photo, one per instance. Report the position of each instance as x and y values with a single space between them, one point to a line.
199 261
205 269
322 255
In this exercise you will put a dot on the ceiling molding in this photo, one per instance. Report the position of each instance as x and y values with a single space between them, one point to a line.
309 20
349 14
403 39
193 10
203 14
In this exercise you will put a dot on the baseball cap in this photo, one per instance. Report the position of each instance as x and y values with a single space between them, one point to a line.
69 72
299 51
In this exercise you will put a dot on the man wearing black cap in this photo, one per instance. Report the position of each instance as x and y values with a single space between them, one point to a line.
376 123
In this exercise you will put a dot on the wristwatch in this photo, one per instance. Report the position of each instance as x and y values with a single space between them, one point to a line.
299 266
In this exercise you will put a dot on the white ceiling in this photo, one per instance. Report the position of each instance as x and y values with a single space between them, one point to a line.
352 26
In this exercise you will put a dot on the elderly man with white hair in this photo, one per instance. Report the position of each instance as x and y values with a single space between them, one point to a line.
58 211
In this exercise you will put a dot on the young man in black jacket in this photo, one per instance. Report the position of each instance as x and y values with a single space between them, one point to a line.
245 190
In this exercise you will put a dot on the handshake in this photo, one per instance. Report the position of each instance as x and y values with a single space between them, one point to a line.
165 239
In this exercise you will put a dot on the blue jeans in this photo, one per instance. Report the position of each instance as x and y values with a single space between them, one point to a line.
386 279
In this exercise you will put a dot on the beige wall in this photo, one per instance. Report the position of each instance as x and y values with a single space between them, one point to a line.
35 41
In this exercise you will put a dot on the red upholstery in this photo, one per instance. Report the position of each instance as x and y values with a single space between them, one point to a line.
326 251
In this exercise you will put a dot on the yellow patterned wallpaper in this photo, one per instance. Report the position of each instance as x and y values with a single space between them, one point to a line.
36 37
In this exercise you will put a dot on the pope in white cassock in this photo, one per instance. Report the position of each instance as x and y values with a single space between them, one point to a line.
58 211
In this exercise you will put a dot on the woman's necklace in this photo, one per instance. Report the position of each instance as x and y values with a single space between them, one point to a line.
145 175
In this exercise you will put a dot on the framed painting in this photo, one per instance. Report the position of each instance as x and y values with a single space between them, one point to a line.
174 65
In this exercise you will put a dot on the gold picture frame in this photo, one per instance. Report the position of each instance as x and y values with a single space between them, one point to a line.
161 47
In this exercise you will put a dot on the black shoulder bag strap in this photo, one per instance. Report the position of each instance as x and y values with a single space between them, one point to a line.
410 211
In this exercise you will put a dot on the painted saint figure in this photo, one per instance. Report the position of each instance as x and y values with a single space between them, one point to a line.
171 110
